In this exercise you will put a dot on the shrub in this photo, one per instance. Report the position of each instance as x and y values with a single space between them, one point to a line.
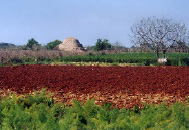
38 111
53 44
102 45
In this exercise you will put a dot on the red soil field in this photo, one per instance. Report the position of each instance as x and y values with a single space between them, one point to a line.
122 86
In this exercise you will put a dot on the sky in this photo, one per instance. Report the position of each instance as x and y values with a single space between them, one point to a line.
86 20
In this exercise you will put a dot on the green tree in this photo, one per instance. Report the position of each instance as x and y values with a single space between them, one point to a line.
32 44
53 44
102 45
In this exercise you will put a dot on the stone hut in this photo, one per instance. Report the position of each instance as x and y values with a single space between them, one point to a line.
71 44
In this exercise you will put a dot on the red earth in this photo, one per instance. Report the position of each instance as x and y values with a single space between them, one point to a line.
122 86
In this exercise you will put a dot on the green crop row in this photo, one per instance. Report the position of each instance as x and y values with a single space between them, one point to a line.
39 111
174 59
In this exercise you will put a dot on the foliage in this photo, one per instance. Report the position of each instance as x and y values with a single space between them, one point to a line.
32 44
38 111
102 45
145 58
53 44
7 45
47 57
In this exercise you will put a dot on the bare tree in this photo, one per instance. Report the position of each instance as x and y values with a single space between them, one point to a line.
116 47
158 34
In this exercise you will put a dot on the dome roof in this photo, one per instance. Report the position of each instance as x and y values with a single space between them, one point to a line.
71 44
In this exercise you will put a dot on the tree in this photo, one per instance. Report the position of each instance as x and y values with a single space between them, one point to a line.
53 44
7 45
102 45
158 34
32 44
117 47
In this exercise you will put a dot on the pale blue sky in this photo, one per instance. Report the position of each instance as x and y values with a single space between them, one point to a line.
86 20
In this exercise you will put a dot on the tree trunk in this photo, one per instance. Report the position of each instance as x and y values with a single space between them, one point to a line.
2 59
164 50
157 52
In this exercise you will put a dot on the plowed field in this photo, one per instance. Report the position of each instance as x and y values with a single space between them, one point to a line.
122 86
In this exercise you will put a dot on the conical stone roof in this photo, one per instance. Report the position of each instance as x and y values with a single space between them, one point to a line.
71 44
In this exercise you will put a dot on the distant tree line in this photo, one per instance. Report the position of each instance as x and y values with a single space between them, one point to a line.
34 45
6 45
150 34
